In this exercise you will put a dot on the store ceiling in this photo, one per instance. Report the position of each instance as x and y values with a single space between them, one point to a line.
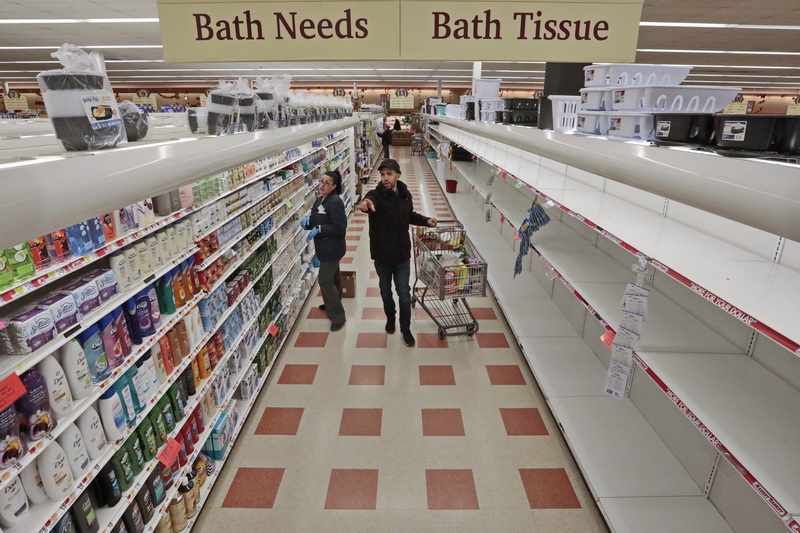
762 55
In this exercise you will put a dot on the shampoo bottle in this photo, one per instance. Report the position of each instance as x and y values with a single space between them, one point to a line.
94 438
58 391
92 344
71 441
13 504
112 413
55 471
32 482
73 361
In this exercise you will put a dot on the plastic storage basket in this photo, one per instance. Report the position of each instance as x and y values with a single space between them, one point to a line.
596 98
672 98
565 112
633 74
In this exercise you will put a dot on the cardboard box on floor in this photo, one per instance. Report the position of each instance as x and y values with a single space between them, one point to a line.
348 284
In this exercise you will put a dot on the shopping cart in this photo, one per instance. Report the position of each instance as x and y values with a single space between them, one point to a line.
448 269
417 144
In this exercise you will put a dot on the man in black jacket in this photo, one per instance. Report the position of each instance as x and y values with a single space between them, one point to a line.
391 210
386 140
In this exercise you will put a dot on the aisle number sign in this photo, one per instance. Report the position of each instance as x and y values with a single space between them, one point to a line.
475 30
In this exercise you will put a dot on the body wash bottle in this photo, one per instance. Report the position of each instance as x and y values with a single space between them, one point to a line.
71 440
13 504
94 439
58 392
73 361
92 344
55 471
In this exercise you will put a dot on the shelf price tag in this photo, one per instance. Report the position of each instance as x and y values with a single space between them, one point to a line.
519 184
11 388
169 452
273 330
288 204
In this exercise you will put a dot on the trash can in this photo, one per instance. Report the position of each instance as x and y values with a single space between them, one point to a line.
451 186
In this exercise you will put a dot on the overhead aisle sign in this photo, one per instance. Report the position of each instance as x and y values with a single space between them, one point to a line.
475 30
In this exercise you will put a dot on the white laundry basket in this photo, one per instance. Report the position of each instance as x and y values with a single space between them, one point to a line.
565 112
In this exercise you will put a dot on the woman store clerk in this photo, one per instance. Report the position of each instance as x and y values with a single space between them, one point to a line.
327 224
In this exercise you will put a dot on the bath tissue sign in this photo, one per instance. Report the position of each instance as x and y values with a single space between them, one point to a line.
474 30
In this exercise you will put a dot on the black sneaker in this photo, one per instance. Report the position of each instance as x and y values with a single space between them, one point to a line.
322 307
408 338
337 327
390 327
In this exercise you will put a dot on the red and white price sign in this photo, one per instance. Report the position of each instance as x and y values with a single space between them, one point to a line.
11 388
273 330
169 452
608 338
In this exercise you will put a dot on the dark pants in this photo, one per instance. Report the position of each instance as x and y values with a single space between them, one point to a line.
400 272
386 151
330 282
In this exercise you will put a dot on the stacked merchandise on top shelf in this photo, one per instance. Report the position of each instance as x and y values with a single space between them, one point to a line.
126 373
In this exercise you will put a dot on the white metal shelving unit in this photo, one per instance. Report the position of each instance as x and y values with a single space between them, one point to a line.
706 368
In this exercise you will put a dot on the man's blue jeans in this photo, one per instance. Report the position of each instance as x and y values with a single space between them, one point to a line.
387 270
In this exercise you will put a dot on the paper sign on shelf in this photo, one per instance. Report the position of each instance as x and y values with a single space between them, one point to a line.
617 379
632 321
626 337
11 388
169 452
635 303
607 338
549 204
273 330
622 354
633 288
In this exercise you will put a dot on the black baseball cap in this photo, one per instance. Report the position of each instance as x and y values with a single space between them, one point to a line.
391 164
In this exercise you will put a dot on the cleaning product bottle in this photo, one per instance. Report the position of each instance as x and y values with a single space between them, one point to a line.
111 344
136 453
71 441
109 485
145 263
166 298
55 471
119 264
91 429
85 515
134 268
92 343
58 392
112 413
13 504
132 320
73 361
121 462
126 396
155 252
33 408
123 333
32 482
148 437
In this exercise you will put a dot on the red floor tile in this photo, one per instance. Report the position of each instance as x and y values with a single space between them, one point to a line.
367 375
492 340
436 375
311 339
373 313
280 421
371 340
346 260
352 248
505 375
373 275
451 489
431 340
483 313
373 291
352 238
254 488
523 421
352 489
548 488
298 375
420 314
361 423
317 313
442 423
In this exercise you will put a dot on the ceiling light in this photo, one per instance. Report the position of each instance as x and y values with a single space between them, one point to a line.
79 21
718 25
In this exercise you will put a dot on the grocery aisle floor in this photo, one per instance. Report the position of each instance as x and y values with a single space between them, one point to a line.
355 432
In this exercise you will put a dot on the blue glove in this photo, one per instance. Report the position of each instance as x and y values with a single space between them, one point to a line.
313 233
305 222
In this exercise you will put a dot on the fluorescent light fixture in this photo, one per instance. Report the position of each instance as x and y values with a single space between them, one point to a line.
713 25
79 21
738 52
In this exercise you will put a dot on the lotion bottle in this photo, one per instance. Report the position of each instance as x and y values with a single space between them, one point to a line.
119 264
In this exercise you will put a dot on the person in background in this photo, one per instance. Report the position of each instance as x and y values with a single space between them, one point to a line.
386 140
391 210
327 225
397 124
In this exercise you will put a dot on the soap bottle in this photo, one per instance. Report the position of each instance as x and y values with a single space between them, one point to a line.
159 426
147 436
32 482
148 371
145 501
109 485
178 288
158 363
151 241
111 344
123 333
165 524
136 453
143 314
33 407
134 268
92 343
133 518
71 441
155 312
177 513
85 515
163 246
166 297
165 407
58 392
119 264
55 471
94 438
175 346
126 395
112 413
174 249
141 384
188 286
132 320
13 504
65 525
166 352
73 361
143 251
156 486
121 462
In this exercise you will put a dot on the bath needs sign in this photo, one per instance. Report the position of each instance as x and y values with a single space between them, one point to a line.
474 30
